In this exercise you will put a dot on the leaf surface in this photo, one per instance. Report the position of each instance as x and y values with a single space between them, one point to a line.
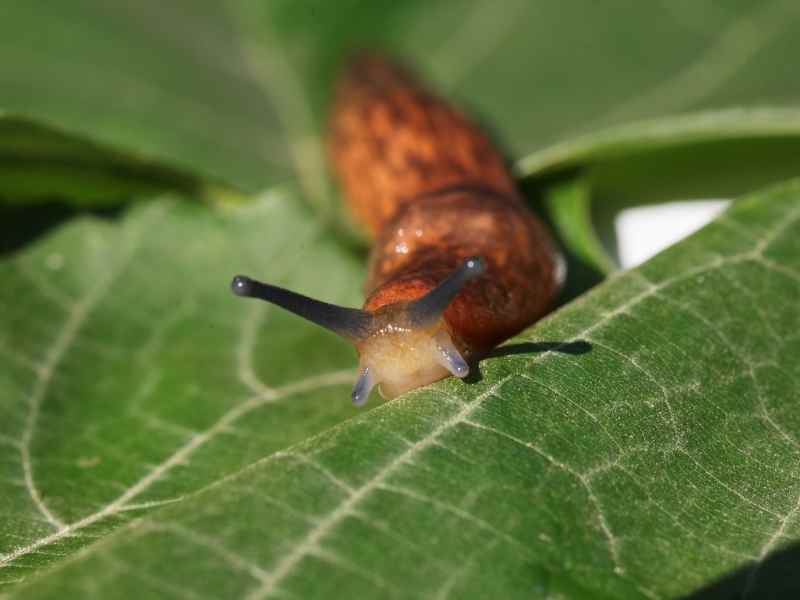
140 416
133 375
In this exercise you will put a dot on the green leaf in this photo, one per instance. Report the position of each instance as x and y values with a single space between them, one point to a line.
569 207
238 90
130 371
39 164
147 457
587 181
719 154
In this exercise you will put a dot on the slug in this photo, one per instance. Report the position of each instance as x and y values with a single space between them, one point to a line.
459 264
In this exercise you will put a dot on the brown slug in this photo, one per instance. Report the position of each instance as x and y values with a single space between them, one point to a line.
459 264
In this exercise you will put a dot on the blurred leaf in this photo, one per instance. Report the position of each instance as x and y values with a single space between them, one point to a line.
713 155
589 180
237 90
569 207
147 426
39 164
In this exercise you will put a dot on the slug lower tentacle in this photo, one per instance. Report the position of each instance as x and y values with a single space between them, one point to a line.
458 264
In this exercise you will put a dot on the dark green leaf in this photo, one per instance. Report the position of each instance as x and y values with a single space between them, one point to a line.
238 90
40 164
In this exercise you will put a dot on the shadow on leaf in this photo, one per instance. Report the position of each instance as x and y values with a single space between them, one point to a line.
776 578
24 224
576 347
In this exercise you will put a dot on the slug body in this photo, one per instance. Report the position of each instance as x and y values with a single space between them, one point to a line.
458 264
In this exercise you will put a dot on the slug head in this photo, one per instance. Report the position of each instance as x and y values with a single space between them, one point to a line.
401 346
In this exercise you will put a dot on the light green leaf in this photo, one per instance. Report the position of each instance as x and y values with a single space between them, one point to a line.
131 374
146 457
568 204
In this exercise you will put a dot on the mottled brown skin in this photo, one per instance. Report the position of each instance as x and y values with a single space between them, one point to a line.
391 142
426 241
432 190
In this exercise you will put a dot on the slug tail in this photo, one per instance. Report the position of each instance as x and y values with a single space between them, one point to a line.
392 143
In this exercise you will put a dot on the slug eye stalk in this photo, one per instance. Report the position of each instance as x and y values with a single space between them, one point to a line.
350 323
428 309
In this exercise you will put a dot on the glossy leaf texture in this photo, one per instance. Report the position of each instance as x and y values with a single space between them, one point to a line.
157 437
